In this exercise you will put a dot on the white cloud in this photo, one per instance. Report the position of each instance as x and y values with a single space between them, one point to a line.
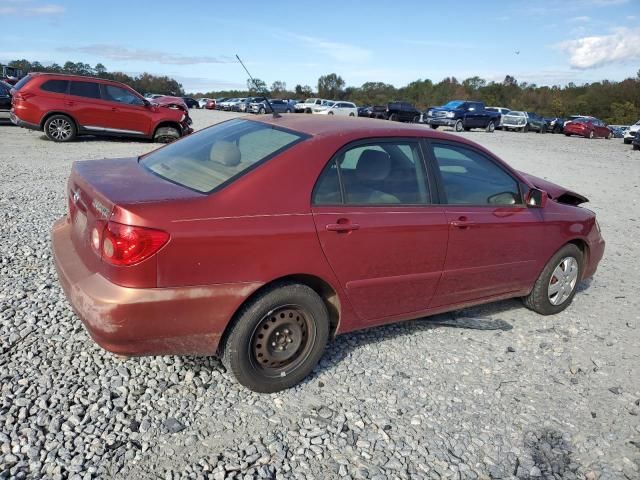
115 52
343 52
621 46
29 9
581 19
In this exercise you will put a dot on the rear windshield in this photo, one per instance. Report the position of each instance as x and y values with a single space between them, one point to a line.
22 82
212 157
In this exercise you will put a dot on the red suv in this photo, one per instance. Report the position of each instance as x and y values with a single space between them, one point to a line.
65 106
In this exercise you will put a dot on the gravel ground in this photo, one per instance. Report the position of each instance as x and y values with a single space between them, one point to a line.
488 392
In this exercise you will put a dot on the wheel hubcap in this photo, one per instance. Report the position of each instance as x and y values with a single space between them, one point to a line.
282 340
563 281
60 129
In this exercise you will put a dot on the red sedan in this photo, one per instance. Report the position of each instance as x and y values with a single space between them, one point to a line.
588 127
259 239
210 105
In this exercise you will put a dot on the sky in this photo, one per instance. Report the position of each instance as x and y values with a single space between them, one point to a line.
542 42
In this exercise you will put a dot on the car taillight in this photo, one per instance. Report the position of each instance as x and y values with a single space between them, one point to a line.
124 245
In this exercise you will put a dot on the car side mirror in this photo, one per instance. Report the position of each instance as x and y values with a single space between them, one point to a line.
537 198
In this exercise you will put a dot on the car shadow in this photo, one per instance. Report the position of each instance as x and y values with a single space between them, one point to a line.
90 138
479 317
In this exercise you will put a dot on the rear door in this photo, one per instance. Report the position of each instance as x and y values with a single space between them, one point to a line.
86 105
382 234
493 236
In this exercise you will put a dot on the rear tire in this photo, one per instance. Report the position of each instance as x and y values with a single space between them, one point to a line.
435 127
60 128
627 142
525 129
166 135
491 127
285 316
591 135
636 147
393 117
557 284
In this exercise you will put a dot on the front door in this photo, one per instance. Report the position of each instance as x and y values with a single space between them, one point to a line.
384 239
492 235
127 113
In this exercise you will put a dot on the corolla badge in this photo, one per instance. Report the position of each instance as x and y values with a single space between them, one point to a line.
100 208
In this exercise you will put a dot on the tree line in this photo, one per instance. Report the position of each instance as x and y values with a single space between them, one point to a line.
613 102
143 83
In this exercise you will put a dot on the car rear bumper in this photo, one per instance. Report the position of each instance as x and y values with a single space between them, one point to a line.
21 123
144 321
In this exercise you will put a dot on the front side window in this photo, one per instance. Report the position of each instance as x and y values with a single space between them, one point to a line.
112 93
214 156
471 178
55 86
85 89
377 173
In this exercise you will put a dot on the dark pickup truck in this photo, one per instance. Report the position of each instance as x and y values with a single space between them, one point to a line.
462 115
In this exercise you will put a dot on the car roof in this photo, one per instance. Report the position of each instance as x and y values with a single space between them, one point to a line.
321 125
77 77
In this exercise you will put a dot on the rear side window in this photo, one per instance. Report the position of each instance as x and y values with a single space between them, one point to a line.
376 173
85 89
55 86
215 156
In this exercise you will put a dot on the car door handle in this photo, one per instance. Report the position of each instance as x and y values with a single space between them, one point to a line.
114 109
71 104
342 227
462 224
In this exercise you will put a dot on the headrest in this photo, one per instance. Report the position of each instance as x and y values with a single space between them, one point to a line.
373 165
226 153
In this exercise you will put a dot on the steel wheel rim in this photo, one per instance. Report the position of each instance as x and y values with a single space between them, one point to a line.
282 341
60 129
563 281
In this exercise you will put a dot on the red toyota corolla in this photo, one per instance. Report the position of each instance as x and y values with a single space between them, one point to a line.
259 239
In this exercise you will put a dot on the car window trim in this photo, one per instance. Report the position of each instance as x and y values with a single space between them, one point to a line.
435 170
432 201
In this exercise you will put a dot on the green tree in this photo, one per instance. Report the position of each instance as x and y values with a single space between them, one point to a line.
256 85
331 86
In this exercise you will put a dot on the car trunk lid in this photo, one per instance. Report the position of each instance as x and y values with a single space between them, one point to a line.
100 191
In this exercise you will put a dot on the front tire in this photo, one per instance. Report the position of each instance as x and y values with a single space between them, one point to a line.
458 127
556 286
591 135
277 339
166 135
60 128
434 127
262 111
393 117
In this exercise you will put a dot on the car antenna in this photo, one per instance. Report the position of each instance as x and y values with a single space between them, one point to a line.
275 114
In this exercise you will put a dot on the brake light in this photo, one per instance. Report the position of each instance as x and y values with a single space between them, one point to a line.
124 245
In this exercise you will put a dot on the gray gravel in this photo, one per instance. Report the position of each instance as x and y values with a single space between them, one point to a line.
489 392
